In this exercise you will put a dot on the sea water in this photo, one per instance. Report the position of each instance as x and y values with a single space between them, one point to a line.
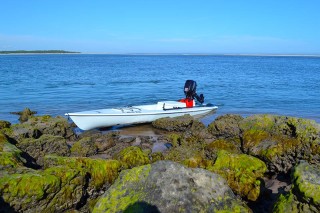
245 85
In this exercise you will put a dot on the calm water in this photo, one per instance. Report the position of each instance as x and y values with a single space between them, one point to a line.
56 84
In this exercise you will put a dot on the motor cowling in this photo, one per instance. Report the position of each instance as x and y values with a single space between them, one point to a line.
190 90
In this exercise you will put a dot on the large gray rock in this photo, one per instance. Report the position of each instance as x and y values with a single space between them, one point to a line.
167 186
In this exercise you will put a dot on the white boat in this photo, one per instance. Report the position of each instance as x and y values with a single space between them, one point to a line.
87 120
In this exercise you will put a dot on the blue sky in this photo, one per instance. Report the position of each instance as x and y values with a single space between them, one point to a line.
163 26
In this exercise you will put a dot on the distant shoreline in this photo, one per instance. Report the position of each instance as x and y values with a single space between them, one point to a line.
6 52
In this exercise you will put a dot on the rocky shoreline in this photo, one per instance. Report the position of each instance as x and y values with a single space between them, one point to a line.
261 163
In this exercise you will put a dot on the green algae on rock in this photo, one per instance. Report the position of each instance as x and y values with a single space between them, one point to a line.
36 126
305 195
280 141
306 179
167 186
85 147
215 146
4 124
178 124
132 156
25 114
10 155
156 156
102 172
46 144
51 190
187 149
197 162
226 126
241 171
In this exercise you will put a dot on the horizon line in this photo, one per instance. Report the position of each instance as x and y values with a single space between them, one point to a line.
155 53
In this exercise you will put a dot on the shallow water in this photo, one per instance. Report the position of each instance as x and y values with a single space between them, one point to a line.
56 84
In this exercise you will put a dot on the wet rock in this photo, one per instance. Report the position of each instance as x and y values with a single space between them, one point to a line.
305 195
52 190
241 171
159 147
178 124
46 144
132 156
169 187
85 147
106 141
111 152
102 141
4 124
281 141
25 114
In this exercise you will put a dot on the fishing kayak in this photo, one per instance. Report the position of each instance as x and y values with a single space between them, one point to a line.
87 120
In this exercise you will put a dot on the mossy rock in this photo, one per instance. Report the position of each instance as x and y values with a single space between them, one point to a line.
85 147
197 162
102 172
280 141
264 122
166 186
185 148
46 144
3 140
286 203
178 124
156 156
36 126
106 141
241 171
4 124
175 139
51 190
305 194
226 126
306 179
25 114
10 155
132 156
215 146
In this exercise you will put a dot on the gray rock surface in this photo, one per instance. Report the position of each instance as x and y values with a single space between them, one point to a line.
167 186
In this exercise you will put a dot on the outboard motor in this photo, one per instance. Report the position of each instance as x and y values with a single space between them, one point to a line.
190 90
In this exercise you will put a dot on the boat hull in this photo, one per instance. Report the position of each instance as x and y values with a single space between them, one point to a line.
113 117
